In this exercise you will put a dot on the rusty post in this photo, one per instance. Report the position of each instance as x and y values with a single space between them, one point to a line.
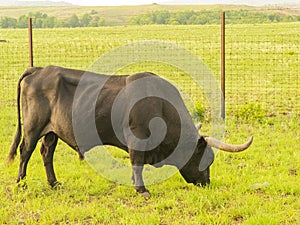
30 42
223 64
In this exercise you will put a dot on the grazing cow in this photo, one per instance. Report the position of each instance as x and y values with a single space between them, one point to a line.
58 103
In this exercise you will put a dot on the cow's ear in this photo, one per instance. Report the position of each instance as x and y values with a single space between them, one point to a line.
207 159
201 144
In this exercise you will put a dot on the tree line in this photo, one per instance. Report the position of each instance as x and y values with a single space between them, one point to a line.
189 17
203 17
42 20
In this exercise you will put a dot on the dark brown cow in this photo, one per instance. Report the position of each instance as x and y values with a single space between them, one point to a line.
58 103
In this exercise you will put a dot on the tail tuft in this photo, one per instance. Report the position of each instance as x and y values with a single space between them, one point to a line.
14 146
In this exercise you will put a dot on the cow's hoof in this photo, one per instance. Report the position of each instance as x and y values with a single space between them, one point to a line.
56 185
145 194
22 184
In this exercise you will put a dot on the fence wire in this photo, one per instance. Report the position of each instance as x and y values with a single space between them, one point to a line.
262 61
264 69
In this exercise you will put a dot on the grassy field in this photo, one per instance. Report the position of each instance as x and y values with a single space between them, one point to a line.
258 186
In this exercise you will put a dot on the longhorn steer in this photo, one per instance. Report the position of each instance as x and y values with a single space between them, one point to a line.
53 107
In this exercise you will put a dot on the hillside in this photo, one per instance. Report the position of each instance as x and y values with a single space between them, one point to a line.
119 15
33 3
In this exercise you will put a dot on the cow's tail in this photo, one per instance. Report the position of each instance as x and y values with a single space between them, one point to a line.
17 138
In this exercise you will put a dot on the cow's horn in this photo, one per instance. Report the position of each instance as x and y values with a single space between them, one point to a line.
228 147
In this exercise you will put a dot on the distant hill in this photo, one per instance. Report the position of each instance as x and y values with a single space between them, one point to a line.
33 3
120 15
235 2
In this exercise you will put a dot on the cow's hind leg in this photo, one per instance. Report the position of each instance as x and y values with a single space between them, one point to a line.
26 149
49 143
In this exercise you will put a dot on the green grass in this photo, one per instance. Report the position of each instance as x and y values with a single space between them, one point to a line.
262 61
258 186
254 187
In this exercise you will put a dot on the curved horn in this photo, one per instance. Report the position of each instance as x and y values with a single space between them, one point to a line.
228 147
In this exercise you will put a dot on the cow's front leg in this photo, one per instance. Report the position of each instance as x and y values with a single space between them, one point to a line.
137 162
137 179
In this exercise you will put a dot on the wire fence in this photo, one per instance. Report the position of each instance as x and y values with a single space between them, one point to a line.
263 66
262 61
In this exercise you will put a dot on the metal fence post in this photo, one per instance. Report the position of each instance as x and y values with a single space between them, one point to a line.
223 64
30 42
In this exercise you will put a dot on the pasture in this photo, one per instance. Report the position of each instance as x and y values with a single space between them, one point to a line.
258 186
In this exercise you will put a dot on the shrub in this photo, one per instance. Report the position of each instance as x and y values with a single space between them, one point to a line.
251 112
198 112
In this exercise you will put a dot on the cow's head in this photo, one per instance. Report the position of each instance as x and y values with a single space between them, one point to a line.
197 169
